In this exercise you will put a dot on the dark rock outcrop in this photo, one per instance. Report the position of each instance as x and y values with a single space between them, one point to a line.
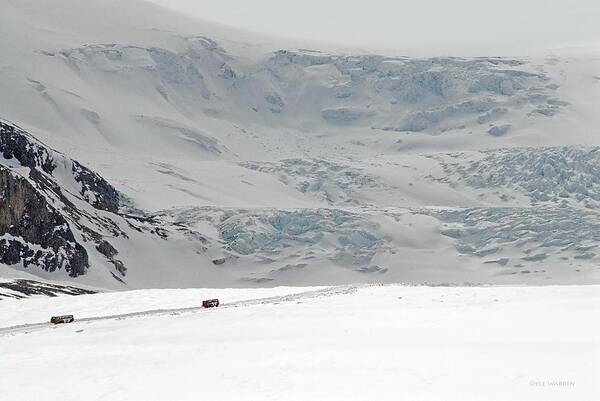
105 248
105 197
14 143
39 218
25 288
18 144
33 231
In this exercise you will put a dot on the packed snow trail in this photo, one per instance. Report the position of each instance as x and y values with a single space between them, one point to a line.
326 292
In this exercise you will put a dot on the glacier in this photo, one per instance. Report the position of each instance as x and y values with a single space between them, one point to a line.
179 154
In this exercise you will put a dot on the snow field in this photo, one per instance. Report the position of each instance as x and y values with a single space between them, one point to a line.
378 342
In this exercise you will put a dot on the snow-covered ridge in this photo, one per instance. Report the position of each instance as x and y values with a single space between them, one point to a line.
293 88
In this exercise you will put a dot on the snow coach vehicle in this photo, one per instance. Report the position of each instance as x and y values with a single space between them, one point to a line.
210 303
62 319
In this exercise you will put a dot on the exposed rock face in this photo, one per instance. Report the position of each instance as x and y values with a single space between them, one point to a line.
18 144
33 232
105 248
105 197
14 143
25 288
38 218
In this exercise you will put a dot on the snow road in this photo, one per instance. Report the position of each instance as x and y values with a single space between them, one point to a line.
331 343
327 291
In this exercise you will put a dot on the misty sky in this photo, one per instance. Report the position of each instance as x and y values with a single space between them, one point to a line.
393 23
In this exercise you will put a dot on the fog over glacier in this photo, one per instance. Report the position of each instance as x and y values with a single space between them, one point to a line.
429 27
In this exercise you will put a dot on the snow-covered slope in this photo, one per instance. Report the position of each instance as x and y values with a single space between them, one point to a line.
333 343
240 160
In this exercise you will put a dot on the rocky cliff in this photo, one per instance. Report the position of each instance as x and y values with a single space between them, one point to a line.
40 213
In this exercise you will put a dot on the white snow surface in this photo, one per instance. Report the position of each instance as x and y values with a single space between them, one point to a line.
361 342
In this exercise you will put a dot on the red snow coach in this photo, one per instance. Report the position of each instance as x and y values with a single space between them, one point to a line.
61 319
210 303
